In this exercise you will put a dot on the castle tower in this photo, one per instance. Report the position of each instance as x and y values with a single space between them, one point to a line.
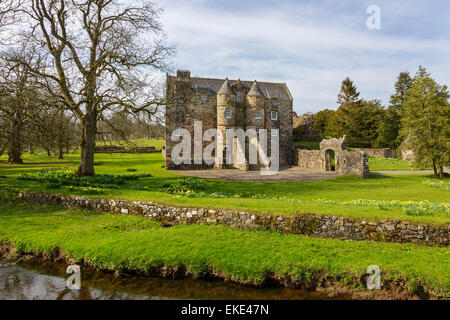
226 116
255 112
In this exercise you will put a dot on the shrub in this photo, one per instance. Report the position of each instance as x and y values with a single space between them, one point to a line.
185 185
131 170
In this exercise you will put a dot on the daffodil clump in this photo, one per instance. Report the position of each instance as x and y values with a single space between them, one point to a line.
410 207
441 184
86 190
55 178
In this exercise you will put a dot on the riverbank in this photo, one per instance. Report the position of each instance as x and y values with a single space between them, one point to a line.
130 244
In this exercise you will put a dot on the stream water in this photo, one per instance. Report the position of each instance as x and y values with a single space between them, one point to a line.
44 280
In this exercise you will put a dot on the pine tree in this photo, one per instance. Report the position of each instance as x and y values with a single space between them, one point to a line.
347 99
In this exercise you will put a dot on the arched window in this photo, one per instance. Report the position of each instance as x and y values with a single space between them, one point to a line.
227 113
257 114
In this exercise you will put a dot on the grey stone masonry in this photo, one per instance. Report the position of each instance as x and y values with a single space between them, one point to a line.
314 225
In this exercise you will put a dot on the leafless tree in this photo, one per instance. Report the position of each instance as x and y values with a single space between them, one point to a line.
18 96
101 55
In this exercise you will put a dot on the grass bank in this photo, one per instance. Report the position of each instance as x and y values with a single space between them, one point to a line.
120 242
333 196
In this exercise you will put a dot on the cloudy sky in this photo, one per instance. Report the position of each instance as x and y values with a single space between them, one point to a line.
312 45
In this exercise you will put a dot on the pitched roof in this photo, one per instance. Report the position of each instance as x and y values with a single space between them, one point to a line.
212 86
255 90
226 88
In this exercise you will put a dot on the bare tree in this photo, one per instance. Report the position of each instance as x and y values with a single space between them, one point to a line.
18 96
102 55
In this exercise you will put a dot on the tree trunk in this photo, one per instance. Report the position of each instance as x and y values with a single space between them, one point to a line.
435 168
88 133
60 151
15 144
48 153
30 148
441 172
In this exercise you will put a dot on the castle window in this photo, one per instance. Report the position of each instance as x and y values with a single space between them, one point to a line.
274 115
257 130
274 132
203 97
274 101
257 114
227 113
239 96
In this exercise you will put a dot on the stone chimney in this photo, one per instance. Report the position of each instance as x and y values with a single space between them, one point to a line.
183 75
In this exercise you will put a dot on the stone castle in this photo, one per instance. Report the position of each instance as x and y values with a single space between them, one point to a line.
224 104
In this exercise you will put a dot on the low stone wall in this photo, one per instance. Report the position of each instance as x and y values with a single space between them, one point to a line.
308 159
116 149
357 163
382 153
315 225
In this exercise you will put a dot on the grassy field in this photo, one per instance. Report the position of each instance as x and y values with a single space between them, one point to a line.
245 256
333 196
376 164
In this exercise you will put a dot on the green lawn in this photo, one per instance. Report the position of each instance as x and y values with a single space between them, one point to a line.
376 164
117 242
280 198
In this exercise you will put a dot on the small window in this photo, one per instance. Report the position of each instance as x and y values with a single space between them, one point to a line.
274 101
203 97
274 115
257 114
239 96
274 132
227 113
257 130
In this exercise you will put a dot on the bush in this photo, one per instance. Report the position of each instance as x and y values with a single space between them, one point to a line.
186 185
131 170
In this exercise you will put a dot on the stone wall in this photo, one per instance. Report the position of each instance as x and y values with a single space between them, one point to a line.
308 159
383 153
115 149
315 225
346 162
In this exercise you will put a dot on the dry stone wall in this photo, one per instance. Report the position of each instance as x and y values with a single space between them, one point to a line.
315 225
382 153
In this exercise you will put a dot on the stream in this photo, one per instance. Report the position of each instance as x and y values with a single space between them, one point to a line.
36 279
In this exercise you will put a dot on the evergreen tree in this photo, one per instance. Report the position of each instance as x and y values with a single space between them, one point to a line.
426 121
347 99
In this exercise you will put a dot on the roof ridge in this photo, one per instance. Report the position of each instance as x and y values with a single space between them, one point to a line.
218 79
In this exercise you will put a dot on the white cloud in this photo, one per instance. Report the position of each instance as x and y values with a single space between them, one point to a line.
307 46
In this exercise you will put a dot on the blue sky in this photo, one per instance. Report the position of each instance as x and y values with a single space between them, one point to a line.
312 45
